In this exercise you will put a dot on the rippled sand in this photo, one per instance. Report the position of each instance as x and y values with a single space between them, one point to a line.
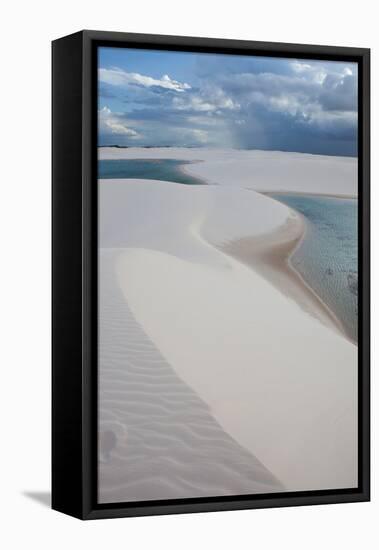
158 439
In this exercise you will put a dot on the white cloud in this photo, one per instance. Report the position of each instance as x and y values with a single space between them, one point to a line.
331 120
118 77
318 70
209 100
300 67
310 90
114 123
201 136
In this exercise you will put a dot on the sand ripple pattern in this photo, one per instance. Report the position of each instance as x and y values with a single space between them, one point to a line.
157 438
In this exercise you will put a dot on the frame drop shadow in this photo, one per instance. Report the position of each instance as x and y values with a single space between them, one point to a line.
42 497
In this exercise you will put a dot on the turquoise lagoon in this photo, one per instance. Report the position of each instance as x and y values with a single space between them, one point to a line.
327 257
160 169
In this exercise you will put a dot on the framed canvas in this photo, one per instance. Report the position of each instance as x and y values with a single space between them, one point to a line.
210 275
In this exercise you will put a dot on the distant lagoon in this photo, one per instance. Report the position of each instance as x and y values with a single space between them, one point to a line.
327 257
159 169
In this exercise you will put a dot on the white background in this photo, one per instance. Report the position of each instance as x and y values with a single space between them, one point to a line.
27 29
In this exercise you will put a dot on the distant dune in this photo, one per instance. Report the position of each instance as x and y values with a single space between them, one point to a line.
266 171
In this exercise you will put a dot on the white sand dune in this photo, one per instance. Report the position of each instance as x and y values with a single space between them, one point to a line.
157 437
265 171
280 383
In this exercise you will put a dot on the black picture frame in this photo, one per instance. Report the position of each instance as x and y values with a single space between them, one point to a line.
74 272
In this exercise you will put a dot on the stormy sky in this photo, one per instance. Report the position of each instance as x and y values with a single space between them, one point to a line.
157 98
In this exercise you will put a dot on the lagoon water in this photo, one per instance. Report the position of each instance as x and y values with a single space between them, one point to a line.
327 256
153 169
